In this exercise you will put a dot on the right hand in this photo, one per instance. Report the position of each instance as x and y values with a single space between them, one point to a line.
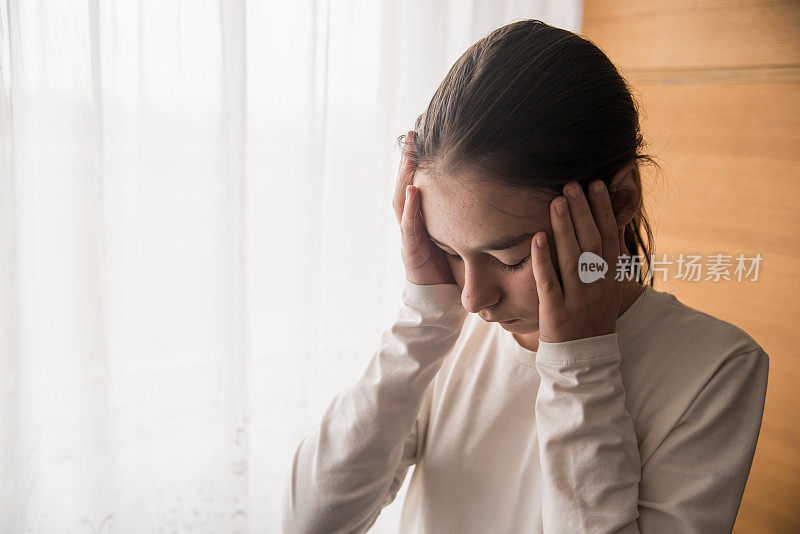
425 263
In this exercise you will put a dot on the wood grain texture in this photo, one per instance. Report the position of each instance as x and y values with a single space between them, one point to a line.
719 86
695 33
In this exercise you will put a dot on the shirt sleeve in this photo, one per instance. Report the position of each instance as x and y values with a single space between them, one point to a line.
593 477
587 444
353 464
694 480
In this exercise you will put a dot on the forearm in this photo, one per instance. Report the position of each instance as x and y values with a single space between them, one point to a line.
587 444
342 471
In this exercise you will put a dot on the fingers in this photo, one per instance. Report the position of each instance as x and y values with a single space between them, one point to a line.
405 176
411 225
606 223
567 246
586 230
547 284
593 228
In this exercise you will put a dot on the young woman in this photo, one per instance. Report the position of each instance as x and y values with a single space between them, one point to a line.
528 399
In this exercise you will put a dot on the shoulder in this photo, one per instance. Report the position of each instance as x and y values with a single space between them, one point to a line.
669 326
675 357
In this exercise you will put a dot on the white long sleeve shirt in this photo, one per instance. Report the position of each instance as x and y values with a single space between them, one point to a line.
650 429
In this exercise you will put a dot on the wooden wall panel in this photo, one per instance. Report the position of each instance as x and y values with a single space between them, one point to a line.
719 85
730 184
695 33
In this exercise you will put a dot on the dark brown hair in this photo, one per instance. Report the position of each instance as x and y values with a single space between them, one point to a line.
531 105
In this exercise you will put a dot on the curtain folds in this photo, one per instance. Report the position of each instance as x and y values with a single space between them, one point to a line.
197 246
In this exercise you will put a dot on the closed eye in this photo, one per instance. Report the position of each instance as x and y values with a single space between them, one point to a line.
505 266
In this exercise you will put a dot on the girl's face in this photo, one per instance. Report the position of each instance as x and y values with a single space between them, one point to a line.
472 222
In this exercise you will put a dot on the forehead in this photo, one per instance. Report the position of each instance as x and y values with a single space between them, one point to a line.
465 213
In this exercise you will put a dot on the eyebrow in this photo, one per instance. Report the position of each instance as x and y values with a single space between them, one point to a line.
500 244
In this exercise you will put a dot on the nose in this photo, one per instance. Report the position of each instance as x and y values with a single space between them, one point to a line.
478 291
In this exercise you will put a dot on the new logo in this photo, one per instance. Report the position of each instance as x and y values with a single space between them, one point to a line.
591 267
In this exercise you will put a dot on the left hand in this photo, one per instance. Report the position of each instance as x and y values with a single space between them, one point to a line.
578 310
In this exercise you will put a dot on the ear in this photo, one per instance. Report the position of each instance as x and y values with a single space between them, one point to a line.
626 194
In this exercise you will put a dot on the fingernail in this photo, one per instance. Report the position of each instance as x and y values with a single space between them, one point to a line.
598 187
541 241
561 206
574 191
408 192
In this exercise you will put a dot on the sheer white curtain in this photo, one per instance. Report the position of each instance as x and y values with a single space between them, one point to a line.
197 246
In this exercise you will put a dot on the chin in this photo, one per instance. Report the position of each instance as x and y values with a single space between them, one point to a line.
521 326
